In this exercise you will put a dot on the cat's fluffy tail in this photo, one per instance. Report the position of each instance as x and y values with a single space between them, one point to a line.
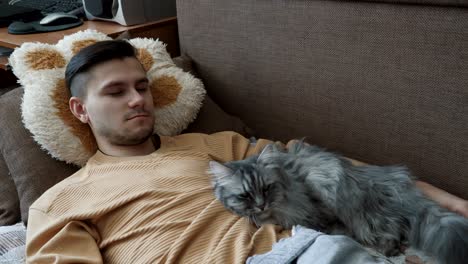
440 233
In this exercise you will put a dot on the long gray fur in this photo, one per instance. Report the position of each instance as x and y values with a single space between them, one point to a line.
379 206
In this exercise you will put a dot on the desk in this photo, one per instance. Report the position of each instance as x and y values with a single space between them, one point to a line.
165 30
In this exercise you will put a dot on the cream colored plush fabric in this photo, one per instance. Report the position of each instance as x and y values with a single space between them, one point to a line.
40 68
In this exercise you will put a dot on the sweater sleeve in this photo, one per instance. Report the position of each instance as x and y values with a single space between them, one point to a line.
50 242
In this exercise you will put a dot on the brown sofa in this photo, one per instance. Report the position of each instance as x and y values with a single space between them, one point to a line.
384 82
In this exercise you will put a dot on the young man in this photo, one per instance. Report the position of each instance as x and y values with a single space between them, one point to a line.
139 199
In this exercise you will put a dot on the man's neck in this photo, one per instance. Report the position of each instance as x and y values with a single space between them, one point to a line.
145 148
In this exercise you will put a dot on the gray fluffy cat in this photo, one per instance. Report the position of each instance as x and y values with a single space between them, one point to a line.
305 185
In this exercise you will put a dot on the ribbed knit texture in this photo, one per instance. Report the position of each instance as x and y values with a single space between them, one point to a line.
157 208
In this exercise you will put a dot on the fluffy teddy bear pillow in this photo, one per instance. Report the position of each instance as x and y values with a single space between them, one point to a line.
40 69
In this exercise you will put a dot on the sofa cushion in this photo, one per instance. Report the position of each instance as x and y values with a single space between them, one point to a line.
9 203
32 169
211 117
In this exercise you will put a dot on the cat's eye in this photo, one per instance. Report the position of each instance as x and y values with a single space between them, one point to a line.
243 196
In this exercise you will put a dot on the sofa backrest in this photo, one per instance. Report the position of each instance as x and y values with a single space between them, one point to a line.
382 82
459 3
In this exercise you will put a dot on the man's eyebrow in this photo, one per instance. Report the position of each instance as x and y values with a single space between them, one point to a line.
112 83
119 83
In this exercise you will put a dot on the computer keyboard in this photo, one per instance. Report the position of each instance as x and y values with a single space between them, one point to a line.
50 6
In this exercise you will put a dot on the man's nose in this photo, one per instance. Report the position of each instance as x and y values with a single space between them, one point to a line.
136 99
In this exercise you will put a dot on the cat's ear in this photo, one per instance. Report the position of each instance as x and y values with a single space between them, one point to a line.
267 152
219 171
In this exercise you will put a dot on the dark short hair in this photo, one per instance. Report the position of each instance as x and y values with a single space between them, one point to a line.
90 56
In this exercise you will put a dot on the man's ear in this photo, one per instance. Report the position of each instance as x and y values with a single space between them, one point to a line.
78 109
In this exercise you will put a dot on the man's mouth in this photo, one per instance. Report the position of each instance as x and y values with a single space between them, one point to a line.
139 115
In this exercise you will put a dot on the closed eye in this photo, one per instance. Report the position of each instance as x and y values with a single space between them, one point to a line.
142 87
117 93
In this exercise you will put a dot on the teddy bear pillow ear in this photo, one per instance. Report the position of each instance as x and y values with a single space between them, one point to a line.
177 95
32 59
40 68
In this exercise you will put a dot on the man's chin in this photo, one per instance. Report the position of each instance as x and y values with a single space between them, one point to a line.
137 141
136 138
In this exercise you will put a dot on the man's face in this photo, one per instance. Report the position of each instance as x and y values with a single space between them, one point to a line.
119 104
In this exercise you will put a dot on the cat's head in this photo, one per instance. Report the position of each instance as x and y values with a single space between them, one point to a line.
249 187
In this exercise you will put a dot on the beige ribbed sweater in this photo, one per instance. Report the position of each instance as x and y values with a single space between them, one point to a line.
157 208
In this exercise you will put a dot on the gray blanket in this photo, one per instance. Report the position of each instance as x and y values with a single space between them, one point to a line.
309 246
